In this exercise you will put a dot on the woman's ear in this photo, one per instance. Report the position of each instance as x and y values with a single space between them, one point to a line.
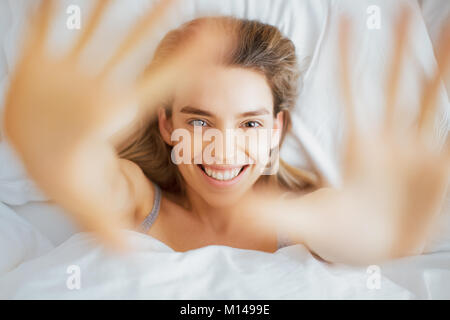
277 129
165 126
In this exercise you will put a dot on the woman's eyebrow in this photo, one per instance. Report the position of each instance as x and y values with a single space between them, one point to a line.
201 112
259 112
192 110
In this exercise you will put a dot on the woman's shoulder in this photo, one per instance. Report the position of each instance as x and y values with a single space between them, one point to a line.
148 194
143 189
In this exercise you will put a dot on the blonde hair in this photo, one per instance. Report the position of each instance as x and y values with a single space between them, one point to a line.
256 46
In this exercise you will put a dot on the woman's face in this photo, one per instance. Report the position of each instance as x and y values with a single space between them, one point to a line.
225 118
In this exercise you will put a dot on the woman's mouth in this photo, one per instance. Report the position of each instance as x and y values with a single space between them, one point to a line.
222 176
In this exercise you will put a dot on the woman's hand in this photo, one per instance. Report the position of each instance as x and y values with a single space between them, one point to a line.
58 117
52 102
394 180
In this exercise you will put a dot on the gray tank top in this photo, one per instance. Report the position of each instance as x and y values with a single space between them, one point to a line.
151 217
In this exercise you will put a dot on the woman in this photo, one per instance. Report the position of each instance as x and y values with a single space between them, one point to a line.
250 86
215 73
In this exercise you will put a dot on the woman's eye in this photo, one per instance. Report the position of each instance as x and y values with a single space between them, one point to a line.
252 124
198 123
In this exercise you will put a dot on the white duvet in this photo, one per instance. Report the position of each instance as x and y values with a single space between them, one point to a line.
42 255
81 269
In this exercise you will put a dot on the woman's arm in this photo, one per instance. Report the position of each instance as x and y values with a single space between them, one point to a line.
394 179
59 118
85 176
340 228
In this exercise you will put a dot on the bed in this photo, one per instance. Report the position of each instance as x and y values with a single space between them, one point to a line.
41 249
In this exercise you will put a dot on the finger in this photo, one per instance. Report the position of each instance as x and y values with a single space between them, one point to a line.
428 105
350 138
182 61
152 89
92 24
400 43
146 23
344 48
40 25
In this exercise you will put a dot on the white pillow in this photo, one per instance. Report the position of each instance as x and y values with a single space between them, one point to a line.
19 240
15 187
436 14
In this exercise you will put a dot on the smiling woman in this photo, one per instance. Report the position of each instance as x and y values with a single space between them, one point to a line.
250 85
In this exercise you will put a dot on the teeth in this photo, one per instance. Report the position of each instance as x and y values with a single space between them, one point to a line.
222 175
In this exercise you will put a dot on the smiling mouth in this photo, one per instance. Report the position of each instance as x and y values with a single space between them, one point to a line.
222 175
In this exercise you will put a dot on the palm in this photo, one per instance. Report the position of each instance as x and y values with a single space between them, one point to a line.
58 92
402 173
395 189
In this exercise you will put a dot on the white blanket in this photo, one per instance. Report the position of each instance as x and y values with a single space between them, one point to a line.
80 269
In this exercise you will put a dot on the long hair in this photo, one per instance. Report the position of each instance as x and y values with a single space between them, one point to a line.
256 46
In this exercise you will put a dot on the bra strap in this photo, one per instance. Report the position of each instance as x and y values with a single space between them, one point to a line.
150 218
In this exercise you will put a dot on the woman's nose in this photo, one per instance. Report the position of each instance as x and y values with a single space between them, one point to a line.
229 149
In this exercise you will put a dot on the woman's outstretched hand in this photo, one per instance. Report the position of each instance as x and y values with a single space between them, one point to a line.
59 116
394 179
397 176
